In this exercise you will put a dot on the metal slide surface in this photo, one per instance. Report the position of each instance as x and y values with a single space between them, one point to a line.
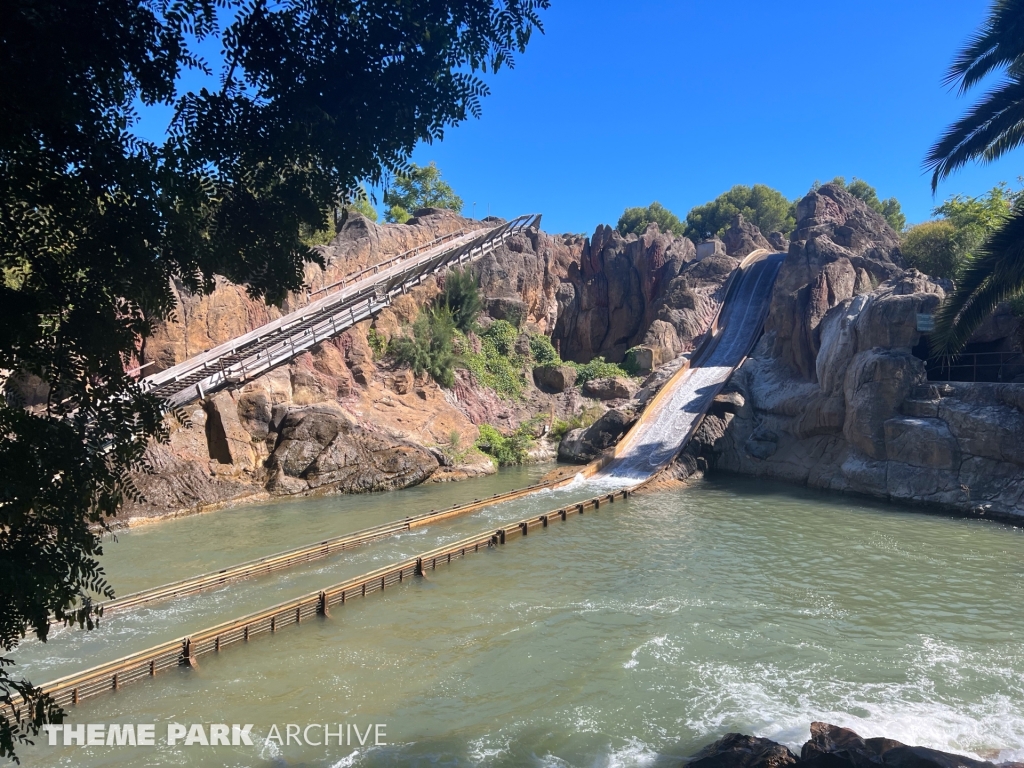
668 424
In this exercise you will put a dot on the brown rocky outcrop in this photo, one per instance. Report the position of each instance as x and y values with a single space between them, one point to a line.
554 378
231 449
830 746
610 388
318 449
626 291
835 396
743 238
840 248
581 446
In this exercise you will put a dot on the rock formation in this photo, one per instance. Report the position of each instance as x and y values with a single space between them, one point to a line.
387 428
830 746
627 291
835 395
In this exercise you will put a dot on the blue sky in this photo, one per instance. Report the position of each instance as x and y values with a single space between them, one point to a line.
622 103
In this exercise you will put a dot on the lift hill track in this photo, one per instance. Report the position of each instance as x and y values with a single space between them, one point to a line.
349 301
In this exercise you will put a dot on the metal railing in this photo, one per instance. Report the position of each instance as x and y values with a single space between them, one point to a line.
279 341
373 269
977 367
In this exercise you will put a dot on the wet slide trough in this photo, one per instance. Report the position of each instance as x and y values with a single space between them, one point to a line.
662 432
670 421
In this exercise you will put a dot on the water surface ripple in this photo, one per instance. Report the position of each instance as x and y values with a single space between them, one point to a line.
632 637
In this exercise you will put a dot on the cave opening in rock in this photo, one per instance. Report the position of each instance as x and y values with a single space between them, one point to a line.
216 437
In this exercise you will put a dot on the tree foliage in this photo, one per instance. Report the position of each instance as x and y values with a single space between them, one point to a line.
461 295
314 97
635 220
931 248
429 346
761 205
946 246
419 187
992 127
890 208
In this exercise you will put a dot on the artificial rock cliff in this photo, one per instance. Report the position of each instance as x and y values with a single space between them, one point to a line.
834 396
338 420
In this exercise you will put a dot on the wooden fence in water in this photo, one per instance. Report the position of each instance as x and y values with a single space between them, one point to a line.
310 552
111 676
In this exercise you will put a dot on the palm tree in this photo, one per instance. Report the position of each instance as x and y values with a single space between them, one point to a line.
990 129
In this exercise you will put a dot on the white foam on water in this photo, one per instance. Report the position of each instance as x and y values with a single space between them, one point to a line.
635 754
654 642
348 761
780 705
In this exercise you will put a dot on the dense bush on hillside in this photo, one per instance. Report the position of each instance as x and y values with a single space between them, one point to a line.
761 205
429 346
635 220
506 449
945 247
461 295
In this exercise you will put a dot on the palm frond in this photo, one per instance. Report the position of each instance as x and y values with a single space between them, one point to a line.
998 43
996 274
976 134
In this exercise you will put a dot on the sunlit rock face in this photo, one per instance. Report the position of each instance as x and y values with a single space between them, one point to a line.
836 396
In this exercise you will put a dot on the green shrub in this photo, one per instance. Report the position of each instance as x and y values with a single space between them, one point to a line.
542 350
461 295
430 346
454 450
629 363
505 449
502 334
598 368
378 343
496 371
585 418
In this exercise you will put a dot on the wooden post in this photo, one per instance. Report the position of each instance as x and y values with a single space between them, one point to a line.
419 567
322 607
187 658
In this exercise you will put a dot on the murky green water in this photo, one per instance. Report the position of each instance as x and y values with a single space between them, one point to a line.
630 636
